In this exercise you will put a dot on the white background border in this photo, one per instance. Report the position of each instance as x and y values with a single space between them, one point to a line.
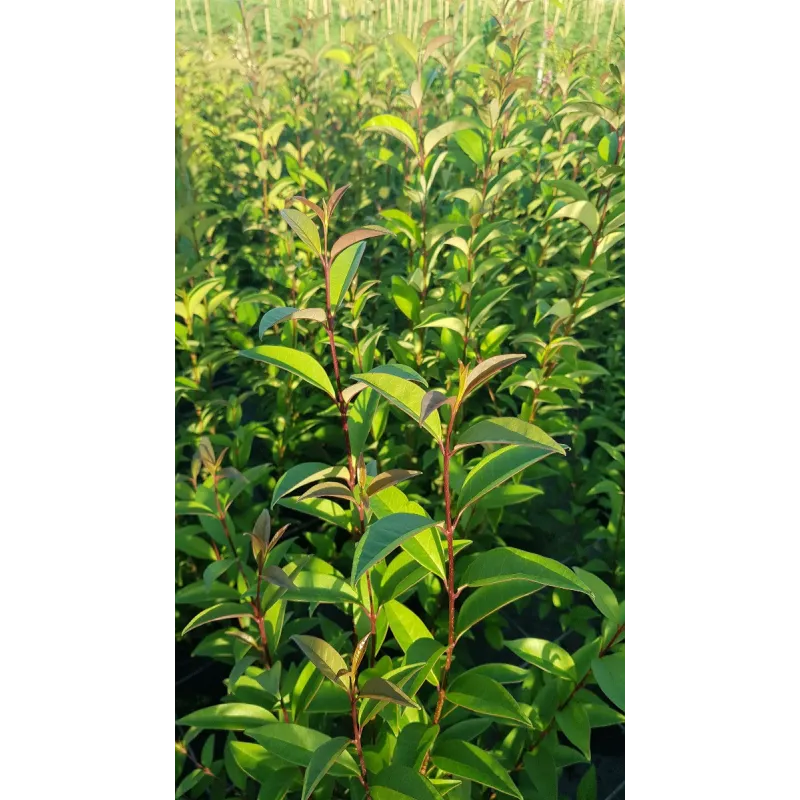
88 424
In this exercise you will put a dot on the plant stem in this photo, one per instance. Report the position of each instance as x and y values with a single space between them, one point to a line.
447 454
357 740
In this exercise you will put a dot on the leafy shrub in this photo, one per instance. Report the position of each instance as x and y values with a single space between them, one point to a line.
391 397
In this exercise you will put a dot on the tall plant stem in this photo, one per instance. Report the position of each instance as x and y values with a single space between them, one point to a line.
330 325
209 32
447 454
357 740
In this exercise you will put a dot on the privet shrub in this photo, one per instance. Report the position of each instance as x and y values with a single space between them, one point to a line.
433 399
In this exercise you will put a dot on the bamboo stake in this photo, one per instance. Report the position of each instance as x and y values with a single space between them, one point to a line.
326 10
209 32
597 10
268 26
410 21
611 25
465 24
417 15
191 15
540 68
389 15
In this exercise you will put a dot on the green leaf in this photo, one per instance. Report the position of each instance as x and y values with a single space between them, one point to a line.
587 788
320 507
343 270
381 689
400 371
394 126
217 612
297 744
546 655
509 563
508 495
413 743
471 142
508 430
581 210
570 188
502 673
189 782
574 723
496 468
406 626
598 301
228 717
400 782
252 759
284 314
425 548
303 227
452 323
405 395
318 587
215 569
441 132
295 361
541 769
321 762
482 695
465 760
609 672
324 657
406 298
359 419
402 573
488 599
303 474
382 537
604 597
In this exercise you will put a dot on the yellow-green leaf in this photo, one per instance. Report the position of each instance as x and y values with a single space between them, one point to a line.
295 361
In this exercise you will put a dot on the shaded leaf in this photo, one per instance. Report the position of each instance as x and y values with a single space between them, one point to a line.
465 760
382 537
321 761
228 717
609 672
483 695
381 689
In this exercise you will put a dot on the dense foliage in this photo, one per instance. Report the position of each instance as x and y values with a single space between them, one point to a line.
399 406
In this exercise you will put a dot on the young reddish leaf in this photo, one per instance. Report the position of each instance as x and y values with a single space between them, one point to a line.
329 489
323 657
310 204
390 478
353 237
358 653
478 376
433 399
278 577
277 315
336 197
